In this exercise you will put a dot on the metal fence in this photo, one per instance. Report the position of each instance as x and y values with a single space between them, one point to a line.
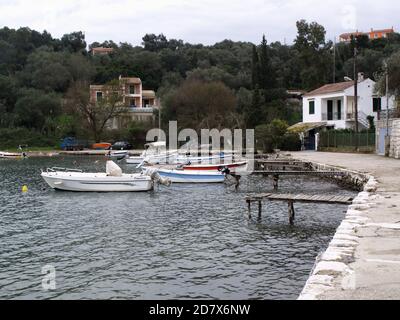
364 141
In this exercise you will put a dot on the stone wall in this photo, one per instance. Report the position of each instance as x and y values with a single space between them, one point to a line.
332 269
395 139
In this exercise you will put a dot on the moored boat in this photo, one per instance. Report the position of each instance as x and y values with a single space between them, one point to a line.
215 167
113 180
9 155
117 155
181 176
204 159
154 153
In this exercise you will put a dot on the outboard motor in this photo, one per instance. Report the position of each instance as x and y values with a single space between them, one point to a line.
227 172
224 170
163 181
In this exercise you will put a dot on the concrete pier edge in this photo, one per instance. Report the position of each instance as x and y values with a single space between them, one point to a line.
332 267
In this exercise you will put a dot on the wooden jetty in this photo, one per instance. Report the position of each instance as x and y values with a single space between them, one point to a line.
277 173
299 173
292 198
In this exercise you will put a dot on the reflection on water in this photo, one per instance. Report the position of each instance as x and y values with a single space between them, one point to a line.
185 241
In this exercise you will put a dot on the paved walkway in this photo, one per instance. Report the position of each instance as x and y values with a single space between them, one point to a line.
377 257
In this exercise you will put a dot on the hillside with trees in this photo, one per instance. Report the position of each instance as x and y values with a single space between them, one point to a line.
232 84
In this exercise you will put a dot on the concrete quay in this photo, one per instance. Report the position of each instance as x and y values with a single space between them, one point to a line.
363 259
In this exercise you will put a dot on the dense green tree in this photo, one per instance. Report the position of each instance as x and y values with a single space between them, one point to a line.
46 70
313 54
201 105
393 69
270 136
34 107
152 42
266 75
74 42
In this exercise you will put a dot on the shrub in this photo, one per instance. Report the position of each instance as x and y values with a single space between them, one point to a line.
13 137
291 142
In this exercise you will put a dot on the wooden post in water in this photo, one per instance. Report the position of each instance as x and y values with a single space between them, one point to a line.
291 212
249 208
259 209
276 181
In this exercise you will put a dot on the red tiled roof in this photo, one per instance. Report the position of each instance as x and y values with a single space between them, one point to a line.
102 50
331 88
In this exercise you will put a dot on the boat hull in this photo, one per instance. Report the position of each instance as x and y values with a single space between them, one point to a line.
231 166
152 159
134 160
207 159
81 182
179 176
7 155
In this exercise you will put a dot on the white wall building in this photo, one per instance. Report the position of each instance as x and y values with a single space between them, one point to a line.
333 104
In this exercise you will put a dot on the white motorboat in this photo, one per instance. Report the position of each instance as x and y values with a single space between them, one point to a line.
117 155
154 153
204 159
113 180
181 176
216 167
9 155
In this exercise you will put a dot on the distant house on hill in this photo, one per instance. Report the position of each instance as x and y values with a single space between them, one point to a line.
140 104
372 35
101 51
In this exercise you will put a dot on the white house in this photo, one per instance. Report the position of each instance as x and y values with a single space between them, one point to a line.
332 105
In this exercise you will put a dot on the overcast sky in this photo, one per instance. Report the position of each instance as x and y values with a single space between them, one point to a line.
196 21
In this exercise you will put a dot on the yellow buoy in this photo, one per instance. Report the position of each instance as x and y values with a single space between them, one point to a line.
25 189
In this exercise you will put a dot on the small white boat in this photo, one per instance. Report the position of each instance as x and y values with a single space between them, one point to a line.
181 176
9 155
204 159
154 153
216 167
111 181
117 155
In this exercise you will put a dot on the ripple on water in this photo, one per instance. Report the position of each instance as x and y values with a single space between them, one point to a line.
191 242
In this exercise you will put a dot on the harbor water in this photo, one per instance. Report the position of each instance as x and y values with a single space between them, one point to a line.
177 242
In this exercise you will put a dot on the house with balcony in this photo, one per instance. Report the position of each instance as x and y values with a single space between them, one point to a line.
140 104
332 106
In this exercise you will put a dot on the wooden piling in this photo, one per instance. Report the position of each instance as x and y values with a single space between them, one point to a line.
276 182
291 212
259 209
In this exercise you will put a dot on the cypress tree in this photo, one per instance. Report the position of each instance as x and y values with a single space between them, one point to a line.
267 76
255 68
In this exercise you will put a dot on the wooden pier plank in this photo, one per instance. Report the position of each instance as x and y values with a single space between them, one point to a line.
300 198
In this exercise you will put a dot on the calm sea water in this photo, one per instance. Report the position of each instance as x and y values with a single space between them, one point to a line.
181 242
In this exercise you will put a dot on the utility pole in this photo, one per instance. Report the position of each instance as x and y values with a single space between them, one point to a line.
356 95
387 137
334 60
159 119
356 91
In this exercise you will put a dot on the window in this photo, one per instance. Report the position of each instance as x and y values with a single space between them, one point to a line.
99 96
311 107
131 89
376 104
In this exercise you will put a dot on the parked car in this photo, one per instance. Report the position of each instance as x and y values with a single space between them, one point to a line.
122 145
101 146
72 144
